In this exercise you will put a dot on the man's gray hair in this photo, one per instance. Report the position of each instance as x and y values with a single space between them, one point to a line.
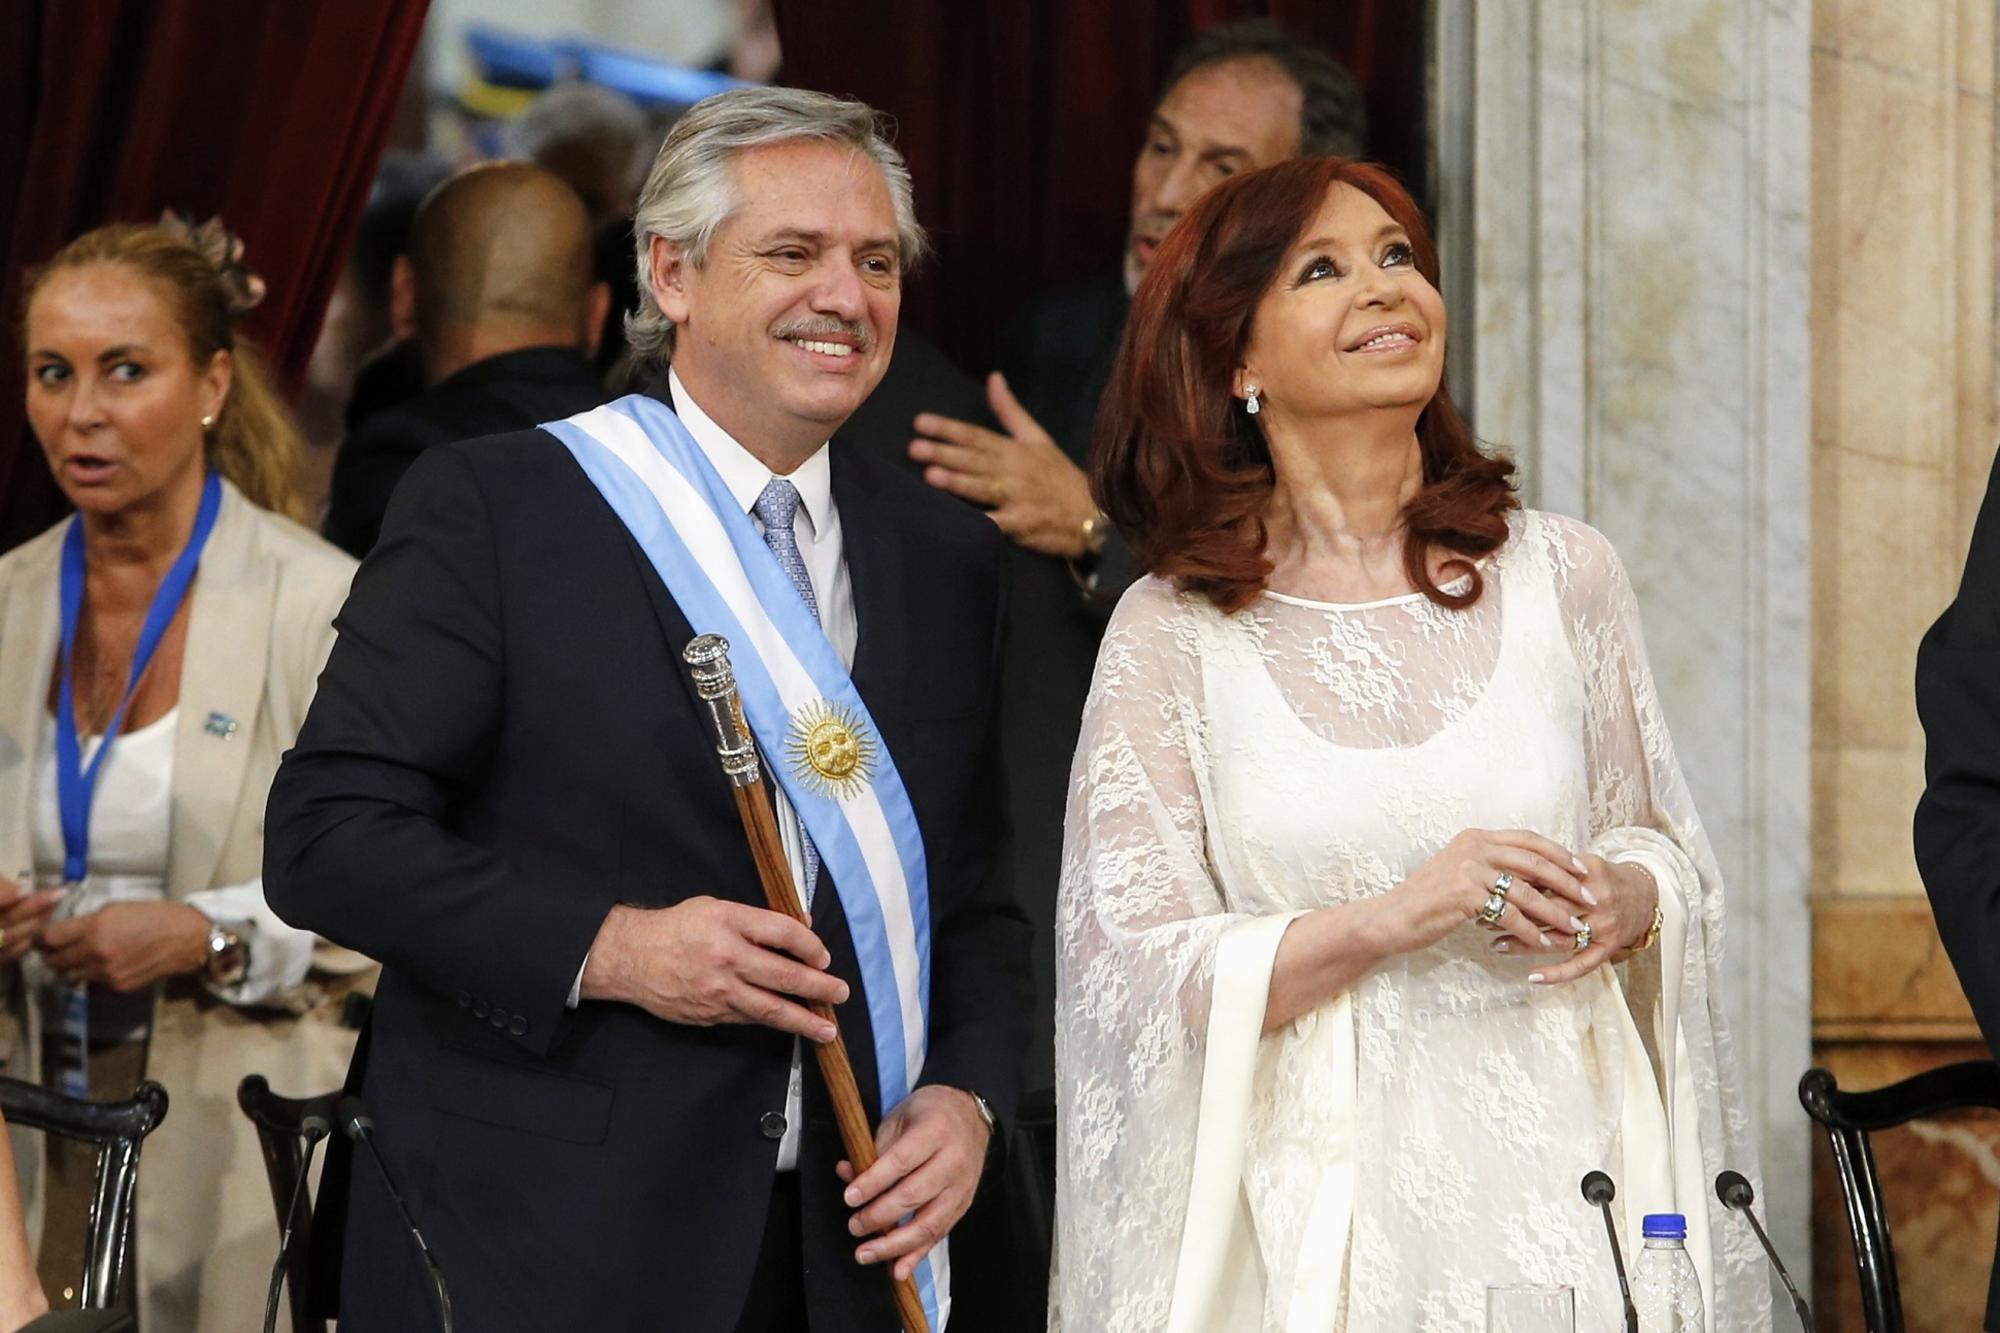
689 193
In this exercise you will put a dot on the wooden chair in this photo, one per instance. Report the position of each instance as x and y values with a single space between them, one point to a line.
117 1128
1849 1118
278 1123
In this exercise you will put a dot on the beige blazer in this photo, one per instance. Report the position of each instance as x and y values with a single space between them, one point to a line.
259 630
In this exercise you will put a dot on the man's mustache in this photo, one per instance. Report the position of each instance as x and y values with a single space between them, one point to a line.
827 326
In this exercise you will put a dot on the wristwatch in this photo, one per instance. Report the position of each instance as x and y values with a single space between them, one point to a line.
228 959
1096 532
979 1104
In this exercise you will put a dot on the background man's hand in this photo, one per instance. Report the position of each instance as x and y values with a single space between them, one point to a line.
1033 491
933 1148
705 961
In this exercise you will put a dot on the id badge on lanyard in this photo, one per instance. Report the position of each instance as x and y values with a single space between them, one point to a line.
76 782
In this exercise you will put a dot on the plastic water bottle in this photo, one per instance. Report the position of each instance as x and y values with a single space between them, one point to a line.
1664 1288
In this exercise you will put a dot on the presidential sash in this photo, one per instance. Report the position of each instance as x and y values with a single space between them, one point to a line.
816 734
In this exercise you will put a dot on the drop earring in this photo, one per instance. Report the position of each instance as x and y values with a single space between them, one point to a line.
1250 403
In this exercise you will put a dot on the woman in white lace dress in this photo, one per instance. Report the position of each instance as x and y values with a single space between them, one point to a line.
1385 911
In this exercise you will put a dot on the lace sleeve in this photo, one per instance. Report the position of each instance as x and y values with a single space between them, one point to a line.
1142 929
1641 811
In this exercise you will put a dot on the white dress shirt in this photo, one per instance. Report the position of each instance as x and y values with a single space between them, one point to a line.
817 526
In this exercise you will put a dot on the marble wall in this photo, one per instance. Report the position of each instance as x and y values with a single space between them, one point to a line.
1903 430
1634 179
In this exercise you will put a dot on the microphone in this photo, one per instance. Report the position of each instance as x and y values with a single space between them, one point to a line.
1598 1191
1737 1196
358 1125
315 1124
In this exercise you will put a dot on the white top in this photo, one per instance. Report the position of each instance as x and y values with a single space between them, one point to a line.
131 818
1430 1125
817 525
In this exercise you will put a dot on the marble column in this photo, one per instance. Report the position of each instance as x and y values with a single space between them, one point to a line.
1629 183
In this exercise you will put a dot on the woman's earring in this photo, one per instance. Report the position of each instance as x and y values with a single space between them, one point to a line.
208 423
1250 403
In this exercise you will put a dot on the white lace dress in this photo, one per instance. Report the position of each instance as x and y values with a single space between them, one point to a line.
1376 1164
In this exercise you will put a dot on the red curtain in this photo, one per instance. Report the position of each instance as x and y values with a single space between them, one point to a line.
1021 119
273 115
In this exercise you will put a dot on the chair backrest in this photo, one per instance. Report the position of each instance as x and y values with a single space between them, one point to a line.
278 1120
117 1128
1849 1118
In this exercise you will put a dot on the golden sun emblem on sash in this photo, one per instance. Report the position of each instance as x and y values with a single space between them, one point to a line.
830 749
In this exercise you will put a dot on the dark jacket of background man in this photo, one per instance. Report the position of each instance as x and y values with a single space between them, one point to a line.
1958 818
497 289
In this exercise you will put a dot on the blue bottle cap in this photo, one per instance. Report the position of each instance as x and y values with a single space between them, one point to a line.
1664 1226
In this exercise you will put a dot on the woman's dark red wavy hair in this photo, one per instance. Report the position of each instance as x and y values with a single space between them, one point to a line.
1183 470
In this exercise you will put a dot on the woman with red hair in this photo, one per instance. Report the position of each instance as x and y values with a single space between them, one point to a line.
1378 859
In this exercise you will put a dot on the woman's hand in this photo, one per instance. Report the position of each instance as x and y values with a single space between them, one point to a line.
1626 899
22 915
127 945
1546 892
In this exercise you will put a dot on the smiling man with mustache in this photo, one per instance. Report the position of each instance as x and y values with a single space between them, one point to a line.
591 1055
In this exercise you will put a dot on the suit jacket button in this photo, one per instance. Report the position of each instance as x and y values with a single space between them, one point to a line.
479 1008
499 1019
518 1026
771 1125
464 1000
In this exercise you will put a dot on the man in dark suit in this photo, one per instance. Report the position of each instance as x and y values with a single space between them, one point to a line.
497 295
1238 96
1958 817
584 1057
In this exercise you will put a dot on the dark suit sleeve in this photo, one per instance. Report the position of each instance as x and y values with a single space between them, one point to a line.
360 843
1958 818
979 950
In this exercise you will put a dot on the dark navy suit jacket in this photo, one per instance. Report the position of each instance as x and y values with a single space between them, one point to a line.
504 745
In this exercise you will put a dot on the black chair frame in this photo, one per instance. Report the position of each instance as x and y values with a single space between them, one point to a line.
117 1128
1849 1118
277 1120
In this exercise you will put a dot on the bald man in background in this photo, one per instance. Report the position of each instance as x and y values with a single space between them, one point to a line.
498 293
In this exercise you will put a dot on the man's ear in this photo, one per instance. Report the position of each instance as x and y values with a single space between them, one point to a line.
595 307
403 300
666 274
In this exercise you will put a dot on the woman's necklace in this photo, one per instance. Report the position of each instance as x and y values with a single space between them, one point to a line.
97 682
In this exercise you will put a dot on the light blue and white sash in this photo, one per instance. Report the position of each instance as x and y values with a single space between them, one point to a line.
726 581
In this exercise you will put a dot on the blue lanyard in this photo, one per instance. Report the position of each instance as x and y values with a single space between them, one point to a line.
74 782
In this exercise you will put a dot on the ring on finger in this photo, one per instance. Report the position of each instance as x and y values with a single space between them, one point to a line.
1495 904
999 493
1582 938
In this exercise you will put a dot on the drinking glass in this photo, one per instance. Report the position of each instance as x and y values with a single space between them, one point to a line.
1528 1307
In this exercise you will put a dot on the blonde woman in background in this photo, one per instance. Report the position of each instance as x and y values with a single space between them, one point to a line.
161 648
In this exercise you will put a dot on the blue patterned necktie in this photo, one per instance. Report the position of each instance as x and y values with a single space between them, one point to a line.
776 508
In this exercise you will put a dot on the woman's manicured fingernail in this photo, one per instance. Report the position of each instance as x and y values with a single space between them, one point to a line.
1576 924
1545 939
1581 868
1535 977
1588 896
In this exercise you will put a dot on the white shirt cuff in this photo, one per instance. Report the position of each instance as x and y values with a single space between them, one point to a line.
280 955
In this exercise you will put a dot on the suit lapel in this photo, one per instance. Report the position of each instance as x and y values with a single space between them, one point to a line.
28 632
876 564
222 692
